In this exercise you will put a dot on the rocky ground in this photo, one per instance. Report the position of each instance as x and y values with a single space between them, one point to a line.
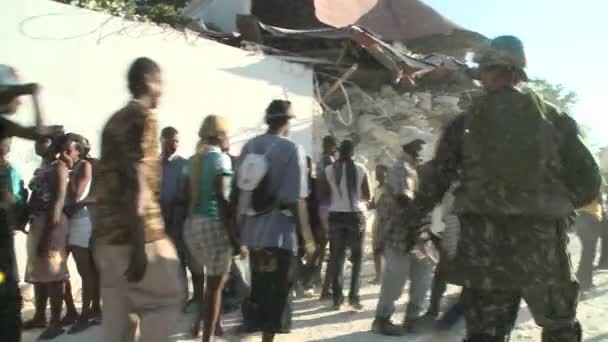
314 321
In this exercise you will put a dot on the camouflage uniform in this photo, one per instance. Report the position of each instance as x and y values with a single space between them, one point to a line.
502 259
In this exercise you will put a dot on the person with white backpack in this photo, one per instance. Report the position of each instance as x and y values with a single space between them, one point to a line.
272 186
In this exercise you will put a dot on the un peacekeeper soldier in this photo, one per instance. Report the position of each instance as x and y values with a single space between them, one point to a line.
523 170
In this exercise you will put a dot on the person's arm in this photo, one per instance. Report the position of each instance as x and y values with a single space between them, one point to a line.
581 172
134 151
57 203
366 191
293 196
223 183
442 171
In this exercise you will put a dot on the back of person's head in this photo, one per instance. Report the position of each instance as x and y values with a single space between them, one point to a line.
278 114
168 132
329 143
141 67
347 150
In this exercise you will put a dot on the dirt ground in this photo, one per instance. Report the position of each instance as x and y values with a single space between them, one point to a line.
314 321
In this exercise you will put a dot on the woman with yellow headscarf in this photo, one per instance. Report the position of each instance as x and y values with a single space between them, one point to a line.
209 235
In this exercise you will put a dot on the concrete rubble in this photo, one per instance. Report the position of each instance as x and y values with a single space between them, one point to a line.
372 118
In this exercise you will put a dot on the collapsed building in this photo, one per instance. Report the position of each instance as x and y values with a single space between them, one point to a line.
378 65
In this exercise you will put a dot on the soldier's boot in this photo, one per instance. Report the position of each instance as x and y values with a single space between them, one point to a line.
487 338
568 334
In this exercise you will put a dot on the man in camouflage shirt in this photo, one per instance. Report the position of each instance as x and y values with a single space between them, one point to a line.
399 241
518 249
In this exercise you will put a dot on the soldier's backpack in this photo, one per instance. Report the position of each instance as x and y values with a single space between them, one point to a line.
511 158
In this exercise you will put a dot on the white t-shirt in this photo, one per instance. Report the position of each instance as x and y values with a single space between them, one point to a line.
340 201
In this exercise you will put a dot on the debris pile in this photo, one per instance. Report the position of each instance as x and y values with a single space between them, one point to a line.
372 118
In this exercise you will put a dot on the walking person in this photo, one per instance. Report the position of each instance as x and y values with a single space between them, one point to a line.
348 183
271 223
10 296
77 148
138 264
588 227
210 233
401 260
174 206
328 157
380 221
523 169
47 239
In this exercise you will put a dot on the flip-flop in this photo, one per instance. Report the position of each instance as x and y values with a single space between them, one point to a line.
80 326
50 333
33 324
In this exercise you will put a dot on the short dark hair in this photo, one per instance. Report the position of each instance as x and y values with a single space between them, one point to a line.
137 75
168 132
277 122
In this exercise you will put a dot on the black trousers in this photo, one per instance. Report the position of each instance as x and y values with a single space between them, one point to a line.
347 232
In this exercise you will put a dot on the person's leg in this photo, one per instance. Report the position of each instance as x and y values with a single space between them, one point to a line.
10 310
82 256
199 285
96 300
55 290
554 309
377 267
394 277
421 275
213 304
355 240
157 298
438 288
40 300
338 256
71 313
490 313
117 325
588 233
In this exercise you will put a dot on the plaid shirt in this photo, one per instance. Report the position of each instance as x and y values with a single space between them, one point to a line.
129 137
402 181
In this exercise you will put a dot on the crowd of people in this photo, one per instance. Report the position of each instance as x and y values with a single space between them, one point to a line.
489 213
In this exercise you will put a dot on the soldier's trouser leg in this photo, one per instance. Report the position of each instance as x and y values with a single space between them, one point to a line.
554 309
492 312
421 276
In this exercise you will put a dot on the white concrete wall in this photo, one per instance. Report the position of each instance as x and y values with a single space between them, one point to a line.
222 13
81 57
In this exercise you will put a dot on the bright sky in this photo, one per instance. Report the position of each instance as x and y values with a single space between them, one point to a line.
566 42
